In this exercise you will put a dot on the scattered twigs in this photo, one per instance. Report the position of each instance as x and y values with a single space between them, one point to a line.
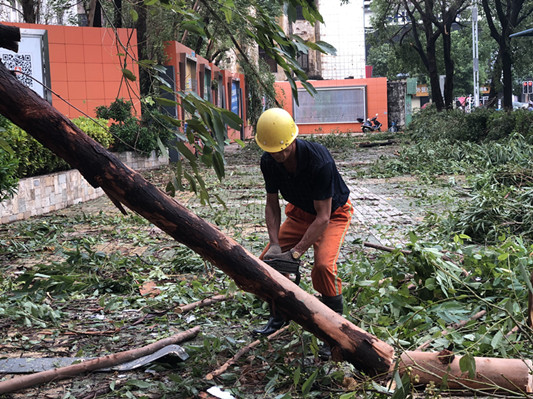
455 326
27 381
384 248
513 330
203 302
106 332
530 304
241 352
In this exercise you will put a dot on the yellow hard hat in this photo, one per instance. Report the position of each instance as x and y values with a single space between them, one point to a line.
276 130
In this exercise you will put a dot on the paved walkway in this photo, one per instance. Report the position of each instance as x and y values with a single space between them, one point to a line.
376 219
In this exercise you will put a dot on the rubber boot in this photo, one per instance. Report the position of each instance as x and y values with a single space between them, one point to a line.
335 304
274 323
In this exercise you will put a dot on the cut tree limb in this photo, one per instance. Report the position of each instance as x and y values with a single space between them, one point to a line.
103 169
28 381
491 374
241 352
203 302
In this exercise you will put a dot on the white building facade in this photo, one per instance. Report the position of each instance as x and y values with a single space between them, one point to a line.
343 28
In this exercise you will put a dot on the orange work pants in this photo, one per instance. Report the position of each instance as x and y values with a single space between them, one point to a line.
326 249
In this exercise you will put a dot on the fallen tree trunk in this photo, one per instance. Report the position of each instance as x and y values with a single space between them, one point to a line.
125 186
491 374
43 377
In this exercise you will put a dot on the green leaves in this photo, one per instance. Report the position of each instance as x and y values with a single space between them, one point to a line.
467 363
129 74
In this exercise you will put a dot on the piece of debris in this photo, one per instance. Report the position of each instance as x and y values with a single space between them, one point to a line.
219 393
22 365
56 374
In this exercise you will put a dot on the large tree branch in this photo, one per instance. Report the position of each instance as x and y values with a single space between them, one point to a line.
9 37
114 359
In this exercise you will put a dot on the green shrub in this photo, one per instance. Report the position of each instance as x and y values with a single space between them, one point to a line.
95 128
480 125
473 126
429 124
8 171
33 158
132 134
502 124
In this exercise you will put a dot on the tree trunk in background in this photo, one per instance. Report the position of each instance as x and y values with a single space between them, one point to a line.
503 17
30 11
145 82
117 20
449 67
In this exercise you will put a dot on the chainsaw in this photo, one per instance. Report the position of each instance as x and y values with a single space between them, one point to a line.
286 267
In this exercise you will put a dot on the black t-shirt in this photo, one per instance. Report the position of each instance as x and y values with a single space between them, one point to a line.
316 178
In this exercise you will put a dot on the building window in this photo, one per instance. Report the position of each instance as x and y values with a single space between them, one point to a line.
273 66
299 13
303 61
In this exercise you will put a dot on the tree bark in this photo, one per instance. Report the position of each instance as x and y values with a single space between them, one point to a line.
491 374
42 377
103 169
30 11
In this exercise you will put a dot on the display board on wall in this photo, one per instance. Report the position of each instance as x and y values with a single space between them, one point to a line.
331 105
31 63
235 97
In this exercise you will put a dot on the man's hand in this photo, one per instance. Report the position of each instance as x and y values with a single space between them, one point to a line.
274 252
287 256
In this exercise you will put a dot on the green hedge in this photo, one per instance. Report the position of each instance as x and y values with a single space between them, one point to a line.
481 125
23 156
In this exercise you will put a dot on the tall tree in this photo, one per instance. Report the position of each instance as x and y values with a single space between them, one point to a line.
30 10
503 18
421 24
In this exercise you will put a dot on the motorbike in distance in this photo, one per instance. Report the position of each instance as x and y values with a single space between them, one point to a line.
371 124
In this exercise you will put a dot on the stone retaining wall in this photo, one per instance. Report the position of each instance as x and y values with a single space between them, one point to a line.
42 194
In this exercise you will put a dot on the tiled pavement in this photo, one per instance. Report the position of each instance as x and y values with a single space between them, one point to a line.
376 219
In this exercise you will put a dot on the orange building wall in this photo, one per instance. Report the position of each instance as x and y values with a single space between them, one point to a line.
177 54
376 103
86 69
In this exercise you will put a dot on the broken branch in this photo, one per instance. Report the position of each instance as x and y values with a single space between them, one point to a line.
241 352
491 374
27 381
455 326
203 302
407 252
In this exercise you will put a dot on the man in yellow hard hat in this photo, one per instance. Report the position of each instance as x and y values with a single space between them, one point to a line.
318 212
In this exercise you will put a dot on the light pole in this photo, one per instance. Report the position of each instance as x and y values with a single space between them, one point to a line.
475 54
